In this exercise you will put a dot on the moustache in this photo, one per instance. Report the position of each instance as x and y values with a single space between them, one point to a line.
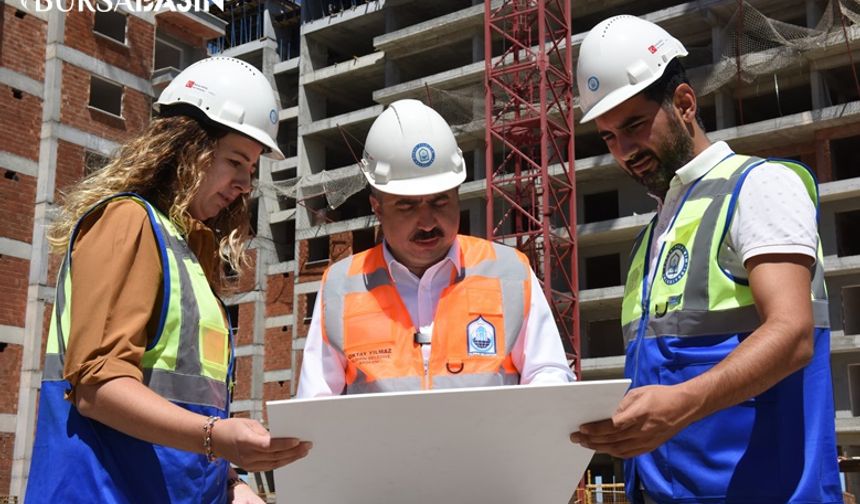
427 235
635 158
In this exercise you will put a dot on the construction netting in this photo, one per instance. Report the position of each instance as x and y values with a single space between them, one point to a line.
335 188
755 45
459 107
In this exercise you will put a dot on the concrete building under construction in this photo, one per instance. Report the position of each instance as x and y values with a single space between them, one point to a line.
775 78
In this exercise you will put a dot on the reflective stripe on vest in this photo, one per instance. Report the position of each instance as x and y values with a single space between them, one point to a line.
190 359
700 297
477 323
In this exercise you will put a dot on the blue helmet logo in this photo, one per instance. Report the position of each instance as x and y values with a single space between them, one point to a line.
423 155
273 116
593 83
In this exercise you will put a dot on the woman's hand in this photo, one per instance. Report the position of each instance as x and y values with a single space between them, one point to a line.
247 444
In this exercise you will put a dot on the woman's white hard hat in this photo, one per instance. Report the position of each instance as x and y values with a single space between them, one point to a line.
232 93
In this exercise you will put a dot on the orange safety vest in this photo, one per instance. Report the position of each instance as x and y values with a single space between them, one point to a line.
477 322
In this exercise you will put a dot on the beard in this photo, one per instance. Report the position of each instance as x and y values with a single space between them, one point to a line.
673 153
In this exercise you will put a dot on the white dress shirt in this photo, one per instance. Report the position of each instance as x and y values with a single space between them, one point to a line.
538 354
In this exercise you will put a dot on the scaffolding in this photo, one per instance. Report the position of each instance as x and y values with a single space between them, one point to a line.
758 51
529 115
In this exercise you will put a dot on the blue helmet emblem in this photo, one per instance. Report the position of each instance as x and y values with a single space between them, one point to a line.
273 116
593 83
423 155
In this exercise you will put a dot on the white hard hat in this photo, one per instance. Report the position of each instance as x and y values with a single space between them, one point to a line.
411 151
618 58
229 92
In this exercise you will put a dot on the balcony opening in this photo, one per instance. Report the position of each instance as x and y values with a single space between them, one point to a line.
847 237
602 271
604 338
600 206
845 158
851 309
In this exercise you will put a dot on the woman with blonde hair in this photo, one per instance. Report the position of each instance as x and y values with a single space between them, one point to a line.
138 372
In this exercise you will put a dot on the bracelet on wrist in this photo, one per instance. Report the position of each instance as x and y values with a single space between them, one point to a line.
207 438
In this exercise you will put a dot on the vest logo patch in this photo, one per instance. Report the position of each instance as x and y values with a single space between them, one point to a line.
481 336
676 264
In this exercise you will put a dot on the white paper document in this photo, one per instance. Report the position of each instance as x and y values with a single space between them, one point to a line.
499 445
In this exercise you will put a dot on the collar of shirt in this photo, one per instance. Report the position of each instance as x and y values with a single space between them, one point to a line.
686 175
400 273
701 164
420 296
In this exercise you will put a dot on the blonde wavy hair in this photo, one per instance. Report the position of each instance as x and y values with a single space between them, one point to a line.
165 165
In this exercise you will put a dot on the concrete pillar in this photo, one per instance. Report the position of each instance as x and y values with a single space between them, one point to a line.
724 105
265 257
480 167
478 41
392 71
312 106
478 218
820 99
39 294
268 26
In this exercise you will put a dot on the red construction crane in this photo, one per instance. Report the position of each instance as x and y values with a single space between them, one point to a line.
531 196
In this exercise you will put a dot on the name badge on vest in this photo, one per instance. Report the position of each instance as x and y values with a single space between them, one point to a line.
481 336
676 264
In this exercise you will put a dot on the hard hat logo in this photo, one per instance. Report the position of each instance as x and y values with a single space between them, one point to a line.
423 155
593 83
273 116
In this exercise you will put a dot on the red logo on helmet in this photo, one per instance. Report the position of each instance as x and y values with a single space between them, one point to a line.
189 84
652 49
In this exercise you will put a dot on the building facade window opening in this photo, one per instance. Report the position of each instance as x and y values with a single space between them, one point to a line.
318 250
310 302
106 96
110 24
